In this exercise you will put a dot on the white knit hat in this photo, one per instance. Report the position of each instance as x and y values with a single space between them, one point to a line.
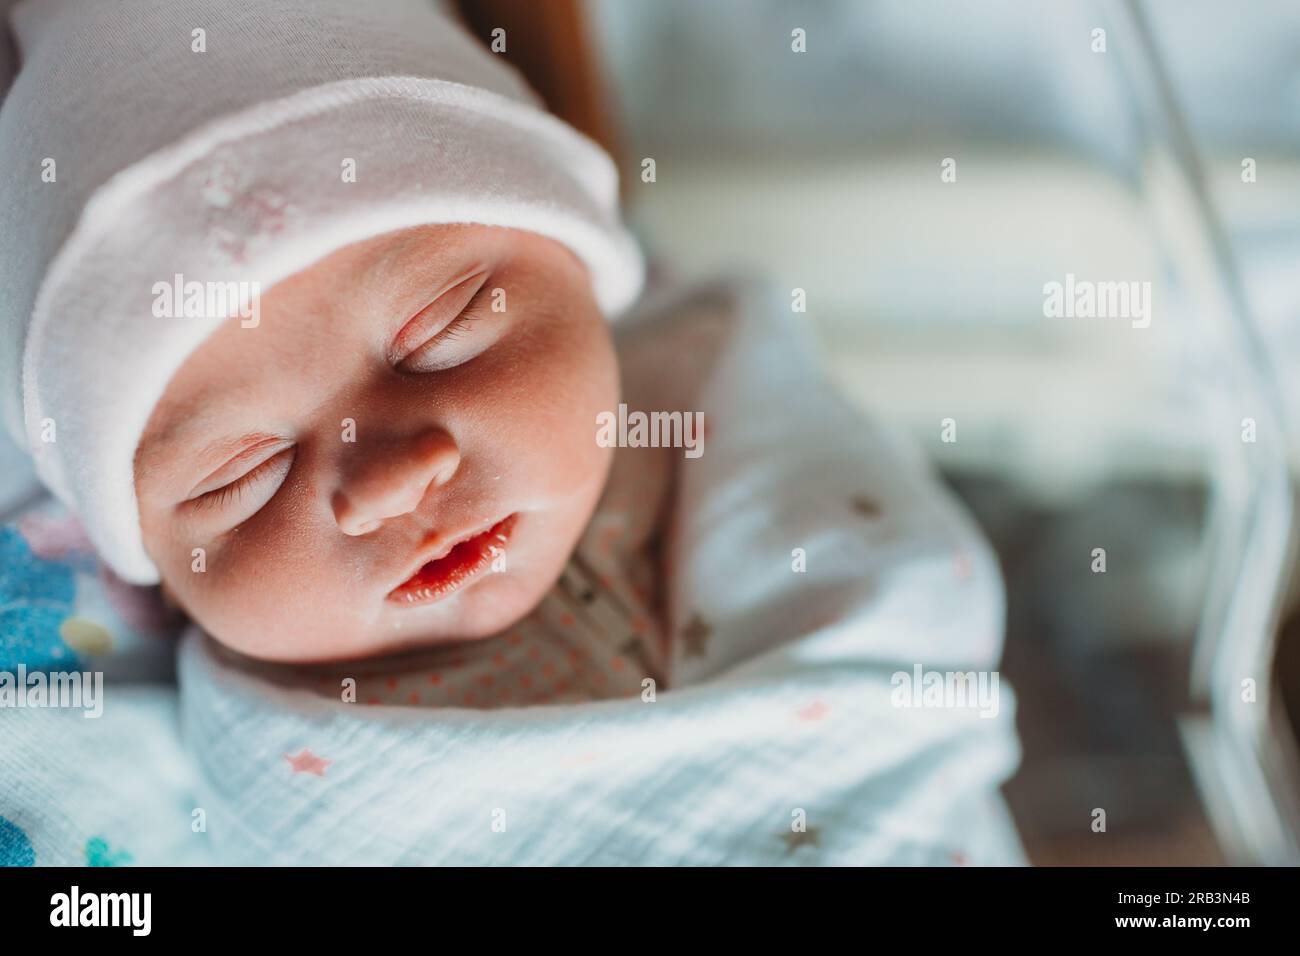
225 164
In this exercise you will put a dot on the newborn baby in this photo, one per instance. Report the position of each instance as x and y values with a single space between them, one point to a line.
377 476
401 452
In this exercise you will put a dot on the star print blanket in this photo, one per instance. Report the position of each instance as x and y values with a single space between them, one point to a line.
830 695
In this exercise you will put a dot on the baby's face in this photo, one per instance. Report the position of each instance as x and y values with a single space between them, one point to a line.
430 394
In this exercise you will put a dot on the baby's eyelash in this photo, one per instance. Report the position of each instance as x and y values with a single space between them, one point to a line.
220 497
472 312
456 327
419 358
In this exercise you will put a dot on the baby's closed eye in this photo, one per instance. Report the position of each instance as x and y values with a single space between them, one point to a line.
435 338
242 486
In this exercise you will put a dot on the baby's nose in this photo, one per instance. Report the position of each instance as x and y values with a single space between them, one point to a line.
388 477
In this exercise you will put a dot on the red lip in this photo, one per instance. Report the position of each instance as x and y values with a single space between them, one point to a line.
436 579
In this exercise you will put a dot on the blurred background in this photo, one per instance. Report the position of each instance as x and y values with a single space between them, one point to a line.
1158 689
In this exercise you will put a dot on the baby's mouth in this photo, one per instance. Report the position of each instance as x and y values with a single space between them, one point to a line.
437 579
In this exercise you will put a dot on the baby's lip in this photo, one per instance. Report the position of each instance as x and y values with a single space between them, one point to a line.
453 563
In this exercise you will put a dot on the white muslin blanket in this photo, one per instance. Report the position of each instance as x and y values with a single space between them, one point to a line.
847 711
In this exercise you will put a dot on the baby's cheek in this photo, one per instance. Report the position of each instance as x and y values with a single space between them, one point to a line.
568 408
258 594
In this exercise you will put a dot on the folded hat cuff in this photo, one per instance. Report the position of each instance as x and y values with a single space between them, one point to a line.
254 198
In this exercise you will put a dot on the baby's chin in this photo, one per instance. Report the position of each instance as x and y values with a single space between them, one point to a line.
324 630
491 605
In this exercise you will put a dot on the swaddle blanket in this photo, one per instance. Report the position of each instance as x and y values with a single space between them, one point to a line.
827 692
